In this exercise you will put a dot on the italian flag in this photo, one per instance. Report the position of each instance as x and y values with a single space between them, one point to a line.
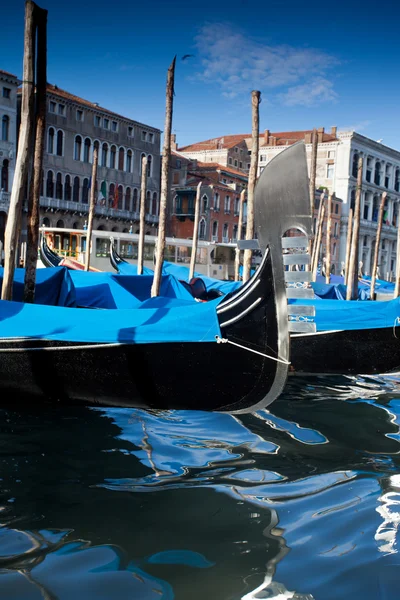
103 192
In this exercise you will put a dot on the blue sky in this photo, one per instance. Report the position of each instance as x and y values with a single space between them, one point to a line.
316 64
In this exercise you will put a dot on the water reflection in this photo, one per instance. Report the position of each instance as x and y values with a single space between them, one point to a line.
120 504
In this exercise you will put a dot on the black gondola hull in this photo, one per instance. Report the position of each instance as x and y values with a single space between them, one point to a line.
362 351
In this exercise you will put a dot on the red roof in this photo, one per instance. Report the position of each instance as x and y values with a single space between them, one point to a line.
8 74
283 138
210 166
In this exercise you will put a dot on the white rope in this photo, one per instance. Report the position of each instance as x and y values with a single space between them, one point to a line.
396 324
225 341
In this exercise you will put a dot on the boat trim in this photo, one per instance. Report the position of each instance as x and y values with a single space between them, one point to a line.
316 333
242 314
232 304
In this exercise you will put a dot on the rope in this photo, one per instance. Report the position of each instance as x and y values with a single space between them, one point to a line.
225 341
396 324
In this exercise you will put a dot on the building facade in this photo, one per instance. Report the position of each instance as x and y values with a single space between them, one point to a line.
8 142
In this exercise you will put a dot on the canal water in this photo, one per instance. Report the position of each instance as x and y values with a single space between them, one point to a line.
302 501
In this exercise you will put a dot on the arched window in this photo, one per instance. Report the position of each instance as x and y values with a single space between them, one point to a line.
46 222
85 191
205 203
67 188
104 155
225 232
113 154
227 207
135 207
397 180
141 160
128 199
148 207
335 230
234 233
237 206
114 229
86 150
59 187
78 148
120 197
121 159
4 175
129 161
377 178
202 229
216 201
111 195
355 164
75 225
50 141
75 196
42 184
154 204
375 209
149 165
60 142
215 230
50 185
60 224
353 199
5 128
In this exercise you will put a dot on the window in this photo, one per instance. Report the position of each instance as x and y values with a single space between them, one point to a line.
104 155
79 115
202 229
216 201
230 160
86 150
237 206
67 188
240 165
128 199
234 233
50 141
52 106
97 121
336 208
154 202
129 161
329 171
50 185
5 128
225 232
215 231
355 165
75 196
85 191
377 178
121 159
335 230
366 210
120 197
205 203
248 165
114 126
236 163
6 92
151 137
148 199
60 143
59 187
113 155
227 205
78 147
224 180
331 154
368 173
178 163
135 206
130 131
144 136
149 162
61 109
262 158
106 123
236 149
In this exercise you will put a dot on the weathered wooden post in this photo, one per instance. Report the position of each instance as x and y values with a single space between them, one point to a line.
352 280
377 244
91 206
40 19
142 215
166 155
24 154
348 245
255 101
239 234
328 240
397 281
319 224
195 232
317 245
313 170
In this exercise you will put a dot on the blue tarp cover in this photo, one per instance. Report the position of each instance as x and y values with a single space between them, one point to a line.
350 315
54 287
158 321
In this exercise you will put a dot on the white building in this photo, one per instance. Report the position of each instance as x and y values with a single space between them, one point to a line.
8 141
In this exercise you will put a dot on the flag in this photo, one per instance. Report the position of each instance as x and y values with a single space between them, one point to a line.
115 203
102 194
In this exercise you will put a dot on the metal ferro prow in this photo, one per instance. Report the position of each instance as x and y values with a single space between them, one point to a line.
282 202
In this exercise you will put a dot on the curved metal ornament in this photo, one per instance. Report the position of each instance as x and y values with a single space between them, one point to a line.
282 202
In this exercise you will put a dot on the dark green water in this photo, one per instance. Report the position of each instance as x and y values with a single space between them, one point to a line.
300 502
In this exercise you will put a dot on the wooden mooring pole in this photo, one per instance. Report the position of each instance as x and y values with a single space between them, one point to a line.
313 171
352 279
195 232
377 244
24 154
239 234
317 244
142 215
348 245
255 102
91 205
40 20
328 240
155 288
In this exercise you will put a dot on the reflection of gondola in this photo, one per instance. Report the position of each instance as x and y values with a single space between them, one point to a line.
165 356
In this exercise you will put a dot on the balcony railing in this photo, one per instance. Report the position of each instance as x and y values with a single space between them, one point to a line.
80 207
225 239
214 238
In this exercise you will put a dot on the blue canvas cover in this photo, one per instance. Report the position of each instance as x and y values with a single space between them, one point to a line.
54 287
182 272
109 290
160 321
131 269
337 291
351 315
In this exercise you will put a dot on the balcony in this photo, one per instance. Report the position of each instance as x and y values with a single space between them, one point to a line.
214 238
225 239
227 211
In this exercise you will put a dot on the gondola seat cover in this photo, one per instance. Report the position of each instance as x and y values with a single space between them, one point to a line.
160 320
54 287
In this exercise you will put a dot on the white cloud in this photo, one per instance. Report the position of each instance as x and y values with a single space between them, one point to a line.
238 64
311 93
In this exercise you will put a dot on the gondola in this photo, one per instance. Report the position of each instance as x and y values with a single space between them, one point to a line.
230 354
51 259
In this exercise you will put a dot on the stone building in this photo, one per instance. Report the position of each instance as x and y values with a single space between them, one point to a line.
8 142
73 127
